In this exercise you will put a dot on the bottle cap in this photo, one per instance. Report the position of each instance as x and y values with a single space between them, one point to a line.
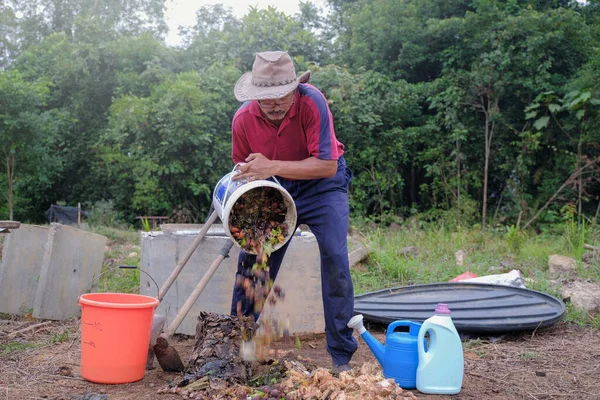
442 308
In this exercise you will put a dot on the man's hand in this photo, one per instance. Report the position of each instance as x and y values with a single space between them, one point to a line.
257 167
260 167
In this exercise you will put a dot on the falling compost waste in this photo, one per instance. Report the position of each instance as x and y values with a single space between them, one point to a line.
257 222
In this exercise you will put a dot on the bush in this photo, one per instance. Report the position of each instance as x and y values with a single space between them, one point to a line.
103 213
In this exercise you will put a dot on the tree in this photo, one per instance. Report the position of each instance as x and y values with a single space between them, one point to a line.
576 116
164 153
20 125
85 80
399 38
8 26
80 20
377 120
218 37
502 56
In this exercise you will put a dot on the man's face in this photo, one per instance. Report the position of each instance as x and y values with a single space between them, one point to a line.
275 110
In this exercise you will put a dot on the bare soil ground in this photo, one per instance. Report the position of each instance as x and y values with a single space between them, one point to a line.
561 362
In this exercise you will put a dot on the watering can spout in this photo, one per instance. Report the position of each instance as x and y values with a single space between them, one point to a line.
376 347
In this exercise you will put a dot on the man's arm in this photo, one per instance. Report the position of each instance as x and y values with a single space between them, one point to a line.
260 167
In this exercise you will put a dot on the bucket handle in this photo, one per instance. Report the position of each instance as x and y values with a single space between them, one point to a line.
229 181
121 267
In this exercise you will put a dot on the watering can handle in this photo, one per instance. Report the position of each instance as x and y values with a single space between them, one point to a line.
413 327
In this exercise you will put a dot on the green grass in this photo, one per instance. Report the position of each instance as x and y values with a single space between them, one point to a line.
60 337
528 355
122 248
492 252
16 347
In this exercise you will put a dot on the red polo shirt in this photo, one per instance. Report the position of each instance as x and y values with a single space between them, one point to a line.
306 131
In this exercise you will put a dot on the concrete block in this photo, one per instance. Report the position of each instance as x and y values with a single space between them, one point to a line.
299 277
72 260
22 255
160 253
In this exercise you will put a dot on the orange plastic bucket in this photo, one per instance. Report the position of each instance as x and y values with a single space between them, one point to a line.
115 334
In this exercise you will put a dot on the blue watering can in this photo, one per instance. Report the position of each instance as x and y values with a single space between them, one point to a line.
399 357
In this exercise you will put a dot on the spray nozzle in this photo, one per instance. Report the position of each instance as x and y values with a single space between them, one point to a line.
356 323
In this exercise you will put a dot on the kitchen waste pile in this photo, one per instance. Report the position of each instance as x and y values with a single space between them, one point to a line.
365 382
217 349
216 369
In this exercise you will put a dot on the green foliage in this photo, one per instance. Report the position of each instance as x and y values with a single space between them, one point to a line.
120 237
515 239
60 337
219 37
176 160
16 347
462 214
145 225
121 281
388 266
440 105
23 124
580 317
103 213
370 110
528 355
575 234
123 248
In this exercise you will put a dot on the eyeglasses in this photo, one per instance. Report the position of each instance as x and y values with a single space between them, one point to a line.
271 104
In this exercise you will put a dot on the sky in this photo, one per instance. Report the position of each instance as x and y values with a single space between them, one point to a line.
183 12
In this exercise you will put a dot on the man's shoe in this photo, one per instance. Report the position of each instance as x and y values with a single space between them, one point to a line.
338 369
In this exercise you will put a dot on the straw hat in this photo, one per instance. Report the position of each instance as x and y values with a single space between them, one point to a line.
273 76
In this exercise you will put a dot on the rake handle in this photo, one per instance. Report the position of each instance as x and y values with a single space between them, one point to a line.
197 290
186 257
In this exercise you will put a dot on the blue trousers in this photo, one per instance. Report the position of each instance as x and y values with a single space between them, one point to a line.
322 204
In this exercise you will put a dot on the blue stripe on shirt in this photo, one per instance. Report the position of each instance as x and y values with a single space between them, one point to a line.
317 97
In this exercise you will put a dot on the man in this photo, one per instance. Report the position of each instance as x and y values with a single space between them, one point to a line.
285 129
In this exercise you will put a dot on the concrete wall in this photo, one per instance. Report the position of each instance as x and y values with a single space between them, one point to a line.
22 256
44 270
299 277
72 260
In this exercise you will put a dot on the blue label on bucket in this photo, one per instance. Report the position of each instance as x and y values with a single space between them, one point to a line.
221 193
225 188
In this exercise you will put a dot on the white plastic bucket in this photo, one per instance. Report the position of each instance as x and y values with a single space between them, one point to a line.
227 192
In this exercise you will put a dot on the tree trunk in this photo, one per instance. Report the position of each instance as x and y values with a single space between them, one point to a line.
485 175
413 185
458 210
488 109
10 176
579 186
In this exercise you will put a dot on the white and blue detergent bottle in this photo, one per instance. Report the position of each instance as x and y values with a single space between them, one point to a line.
441 366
